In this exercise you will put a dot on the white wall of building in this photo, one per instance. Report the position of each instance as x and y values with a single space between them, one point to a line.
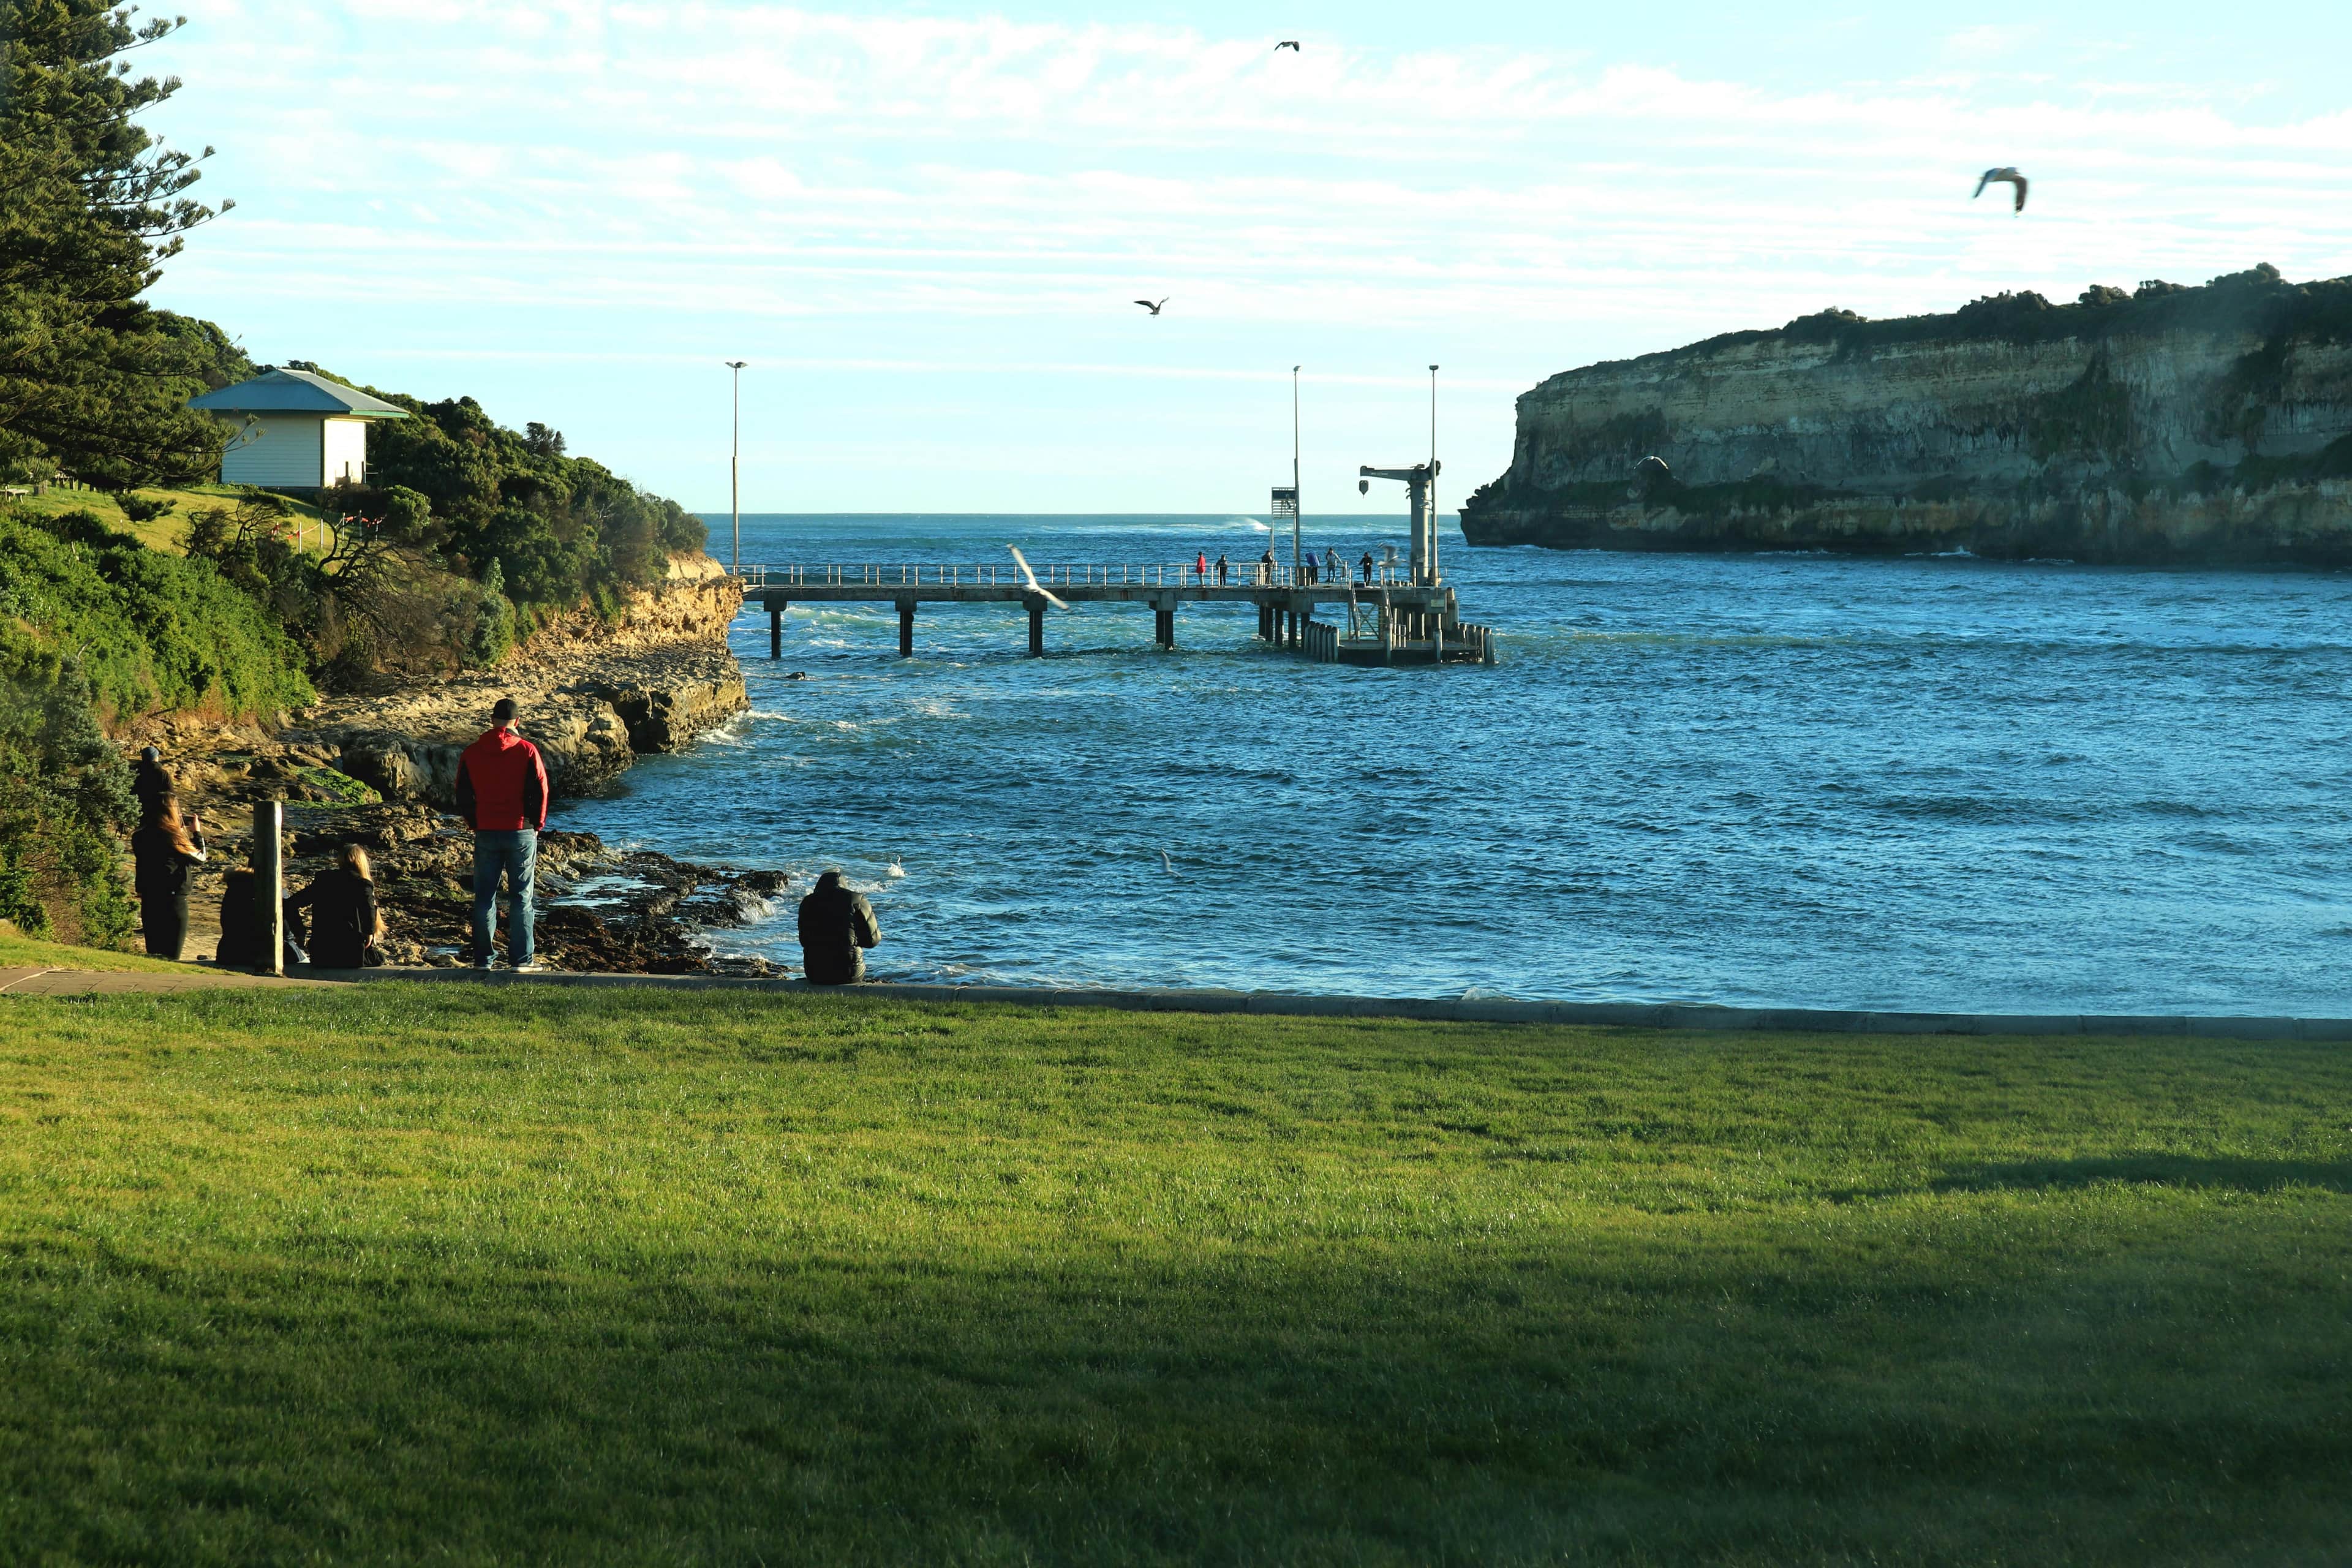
295 451
275 449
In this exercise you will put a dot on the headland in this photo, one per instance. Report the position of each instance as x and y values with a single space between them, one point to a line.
2206 425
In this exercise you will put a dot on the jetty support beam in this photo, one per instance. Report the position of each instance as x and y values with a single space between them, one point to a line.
906 629
775 629
1037 628
1163 627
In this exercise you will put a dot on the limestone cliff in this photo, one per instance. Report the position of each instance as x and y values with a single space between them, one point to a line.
2207 425
595 692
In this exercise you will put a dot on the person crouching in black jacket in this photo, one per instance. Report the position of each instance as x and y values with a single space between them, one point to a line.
836 927
344 922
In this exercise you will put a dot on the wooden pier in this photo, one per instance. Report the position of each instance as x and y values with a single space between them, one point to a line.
1389 620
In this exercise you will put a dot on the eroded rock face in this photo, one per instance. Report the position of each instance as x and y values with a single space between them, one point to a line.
2198 424
593 694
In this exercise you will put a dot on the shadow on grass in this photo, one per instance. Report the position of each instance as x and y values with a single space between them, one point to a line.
1594 1403
2200 1173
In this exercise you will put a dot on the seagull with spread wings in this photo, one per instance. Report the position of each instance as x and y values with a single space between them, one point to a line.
1290 44
2003 176
1152 308
1031 578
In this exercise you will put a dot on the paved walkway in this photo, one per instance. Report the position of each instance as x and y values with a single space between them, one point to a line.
1271 1004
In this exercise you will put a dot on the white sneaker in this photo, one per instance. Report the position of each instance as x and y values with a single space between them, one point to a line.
533 967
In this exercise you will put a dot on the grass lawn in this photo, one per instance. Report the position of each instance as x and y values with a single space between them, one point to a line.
18 951
434 1274
165 532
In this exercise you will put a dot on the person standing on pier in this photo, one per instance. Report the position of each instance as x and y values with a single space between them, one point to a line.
837 925
1200 568
502 793
1366 564
1265 568
1221 569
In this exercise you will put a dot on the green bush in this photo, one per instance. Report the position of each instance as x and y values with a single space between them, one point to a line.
148 631
63 792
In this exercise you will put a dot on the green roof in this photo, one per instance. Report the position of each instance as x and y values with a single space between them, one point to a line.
296 392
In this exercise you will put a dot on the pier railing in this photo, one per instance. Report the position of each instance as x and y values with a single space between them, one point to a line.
996 574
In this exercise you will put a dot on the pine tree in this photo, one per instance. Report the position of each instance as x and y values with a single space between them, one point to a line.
92 381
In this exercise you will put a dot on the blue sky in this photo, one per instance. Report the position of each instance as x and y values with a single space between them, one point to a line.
922 224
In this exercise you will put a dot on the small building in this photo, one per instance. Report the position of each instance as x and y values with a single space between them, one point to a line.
294 429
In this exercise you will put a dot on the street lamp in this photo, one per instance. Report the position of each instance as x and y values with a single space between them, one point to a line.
1294 473
735 463
1432 474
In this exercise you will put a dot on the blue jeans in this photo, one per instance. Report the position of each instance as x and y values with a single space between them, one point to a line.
516 853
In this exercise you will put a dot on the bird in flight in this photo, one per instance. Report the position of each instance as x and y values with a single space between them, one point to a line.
1290 44
1031 578
1152 308
2003 176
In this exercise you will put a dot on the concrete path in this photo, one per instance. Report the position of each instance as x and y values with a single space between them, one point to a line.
1269 1004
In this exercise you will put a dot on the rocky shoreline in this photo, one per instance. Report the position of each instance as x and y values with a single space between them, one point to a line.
379 769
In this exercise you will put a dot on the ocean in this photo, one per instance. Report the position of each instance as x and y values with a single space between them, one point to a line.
1761 780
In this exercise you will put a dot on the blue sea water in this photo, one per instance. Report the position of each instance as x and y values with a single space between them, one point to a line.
1802 780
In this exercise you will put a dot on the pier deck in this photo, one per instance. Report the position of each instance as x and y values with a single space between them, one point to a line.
1419 619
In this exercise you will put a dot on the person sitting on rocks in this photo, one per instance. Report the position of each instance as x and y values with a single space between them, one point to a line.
836 926
344 921
238 933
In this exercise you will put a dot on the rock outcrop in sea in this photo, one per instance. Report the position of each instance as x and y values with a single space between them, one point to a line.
2204 426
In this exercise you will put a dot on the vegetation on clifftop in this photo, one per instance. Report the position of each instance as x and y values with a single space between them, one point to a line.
471 534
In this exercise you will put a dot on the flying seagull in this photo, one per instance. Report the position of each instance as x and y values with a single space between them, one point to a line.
1031 578
1290 44
1169 865
2003 176
1152 308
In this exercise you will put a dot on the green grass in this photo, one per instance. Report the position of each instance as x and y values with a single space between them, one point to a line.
416 1274
18 951
167 532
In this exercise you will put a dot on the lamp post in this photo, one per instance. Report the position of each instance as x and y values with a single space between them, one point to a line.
1432 474
1294 473
735 464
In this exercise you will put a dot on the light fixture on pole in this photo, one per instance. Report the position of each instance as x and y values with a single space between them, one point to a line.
1294 473
1432 474
735 465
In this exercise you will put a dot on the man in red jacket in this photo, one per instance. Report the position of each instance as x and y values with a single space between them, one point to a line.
503 792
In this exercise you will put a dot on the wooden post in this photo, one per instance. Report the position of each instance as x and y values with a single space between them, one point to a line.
906 629
775 629
1163 629
1037 628
268 888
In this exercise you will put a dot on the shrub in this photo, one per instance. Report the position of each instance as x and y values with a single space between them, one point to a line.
146 631
64 792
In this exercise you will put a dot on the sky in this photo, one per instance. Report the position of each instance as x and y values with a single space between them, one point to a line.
922 224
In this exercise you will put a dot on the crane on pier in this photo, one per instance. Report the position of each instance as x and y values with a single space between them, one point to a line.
1420 479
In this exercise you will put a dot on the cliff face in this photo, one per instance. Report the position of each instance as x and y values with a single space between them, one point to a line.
596 694
2176 424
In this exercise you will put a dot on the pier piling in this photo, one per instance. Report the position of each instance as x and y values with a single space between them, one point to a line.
906 629
1037 628
776 629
